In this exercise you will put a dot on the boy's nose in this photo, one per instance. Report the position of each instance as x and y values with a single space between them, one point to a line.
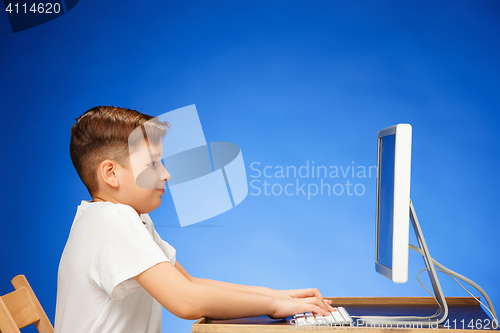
165 175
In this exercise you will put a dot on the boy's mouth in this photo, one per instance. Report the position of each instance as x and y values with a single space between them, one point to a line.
161 190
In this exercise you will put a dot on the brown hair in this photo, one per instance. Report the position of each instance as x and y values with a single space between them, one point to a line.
103 133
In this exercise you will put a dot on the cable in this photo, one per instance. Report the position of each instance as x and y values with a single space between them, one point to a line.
433 296
477 299
439 270
406 318
453 274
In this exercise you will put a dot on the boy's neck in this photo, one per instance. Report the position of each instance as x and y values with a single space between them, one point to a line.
102 197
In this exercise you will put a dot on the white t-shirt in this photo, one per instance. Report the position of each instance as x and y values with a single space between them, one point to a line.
96 291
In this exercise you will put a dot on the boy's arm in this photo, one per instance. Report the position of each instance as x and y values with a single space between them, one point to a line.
226 285
190 300
299 293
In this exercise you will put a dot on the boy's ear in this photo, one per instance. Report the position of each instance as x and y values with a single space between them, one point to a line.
107 173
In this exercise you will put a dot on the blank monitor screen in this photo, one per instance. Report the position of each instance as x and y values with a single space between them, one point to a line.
385 221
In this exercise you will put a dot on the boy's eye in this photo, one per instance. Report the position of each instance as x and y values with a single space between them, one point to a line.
154 163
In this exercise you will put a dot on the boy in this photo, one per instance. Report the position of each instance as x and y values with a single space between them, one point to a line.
116 272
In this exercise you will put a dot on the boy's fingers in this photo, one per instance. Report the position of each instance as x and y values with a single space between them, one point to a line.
322 311
320 304
315 293
328 302
323 305
324 302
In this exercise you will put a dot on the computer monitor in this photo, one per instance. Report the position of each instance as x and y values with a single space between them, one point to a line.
393 197
394 210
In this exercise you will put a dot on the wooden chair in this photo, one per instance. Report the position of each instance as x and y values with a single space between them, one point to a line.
21 308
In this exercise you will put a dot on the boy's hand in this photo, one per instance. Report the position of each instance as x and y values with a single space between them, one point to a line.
284 307
302 294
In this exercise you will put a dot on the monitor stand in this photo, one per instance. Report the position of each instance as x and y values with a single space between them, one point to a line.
438 293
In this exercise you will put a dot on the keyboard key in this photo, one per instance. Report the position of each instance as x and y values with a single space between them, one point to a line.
344 314
300 321
337 316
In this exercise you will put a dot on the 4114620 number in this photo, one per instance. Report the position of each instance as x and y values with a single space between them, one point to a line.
478 324
35 8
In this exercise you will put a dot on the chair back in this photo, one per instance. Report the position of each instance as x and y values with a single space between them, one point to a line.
21 308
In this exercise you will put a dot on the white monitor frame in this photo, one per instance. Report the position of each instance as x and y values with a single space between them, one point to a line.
399 212
398 272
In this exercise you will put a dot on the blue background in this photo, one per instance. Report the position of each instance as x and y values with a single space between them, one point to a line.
289 82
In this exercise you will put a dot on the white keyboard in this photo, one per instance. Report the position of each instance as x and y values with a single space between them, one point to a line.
337 317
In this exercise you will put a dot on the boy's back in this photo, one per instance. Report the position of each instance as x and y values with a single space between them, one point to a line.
108 245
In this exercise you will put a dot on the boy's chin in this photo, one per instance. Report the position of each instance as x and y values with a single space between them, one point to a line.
148 208
154 205
158 205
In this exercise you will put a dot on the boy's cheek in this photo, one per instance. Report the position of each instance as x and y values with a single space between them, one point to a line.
147 179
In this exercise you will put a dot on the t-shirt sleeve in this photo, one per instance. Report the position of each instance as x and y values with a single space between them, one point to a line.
126 250
168 249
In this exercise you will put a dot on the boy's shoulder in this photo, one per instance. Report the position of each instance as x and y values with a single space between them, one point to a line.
103 207
105 213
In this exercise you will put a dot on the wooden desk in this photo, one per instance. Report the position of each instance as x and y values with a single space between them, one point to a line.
462 312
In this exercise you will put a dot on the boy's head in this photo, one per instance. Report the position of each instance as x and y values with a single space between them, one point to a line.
101 142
